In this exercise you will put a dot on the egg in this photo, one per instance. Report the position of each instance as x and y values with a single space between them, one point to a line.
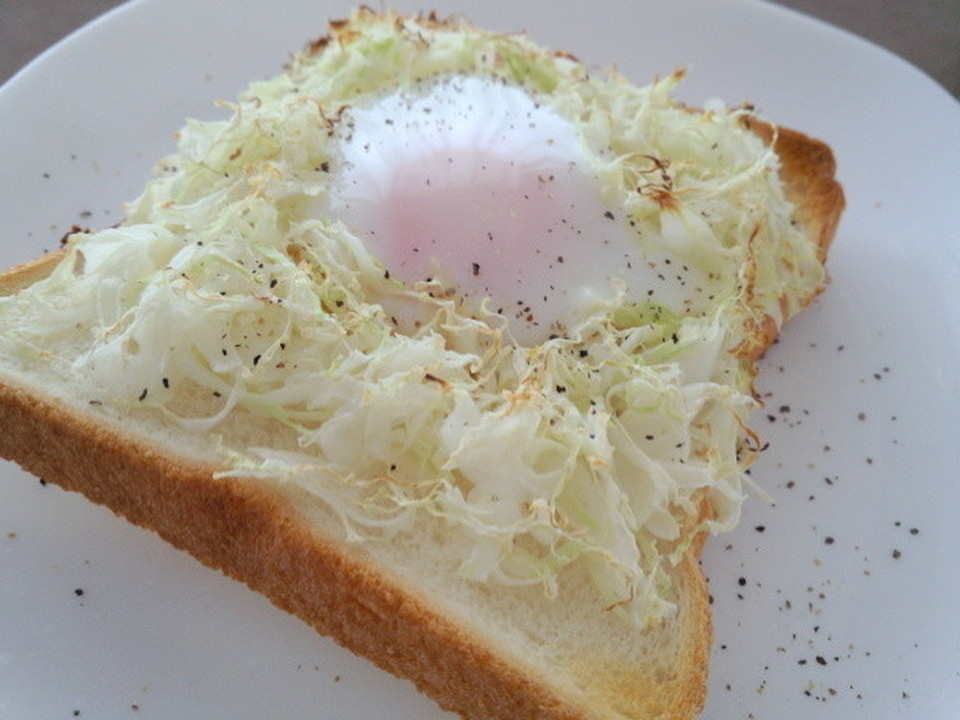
473 184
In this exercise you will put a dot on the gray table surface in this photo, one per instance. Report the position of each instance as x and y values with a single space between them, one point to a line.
924 32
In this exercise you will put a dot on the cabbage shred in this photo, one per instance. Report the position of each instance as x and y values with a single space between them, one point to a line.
231 291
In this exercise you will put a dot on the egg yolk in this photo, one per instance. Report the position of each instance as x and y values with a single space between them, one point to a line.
469 183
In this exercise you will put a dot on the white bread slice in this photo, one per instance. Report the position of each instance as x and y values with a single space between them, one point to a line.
477 650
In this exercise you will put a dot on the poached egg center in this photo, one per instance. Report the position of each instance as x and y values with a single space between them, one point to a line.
470 183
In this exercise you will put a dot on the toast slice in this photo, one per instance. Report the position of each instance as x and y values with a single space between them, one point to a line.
480 649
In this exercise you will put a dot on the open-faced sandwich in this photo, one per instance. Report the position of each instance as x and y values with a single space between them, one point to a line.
445 343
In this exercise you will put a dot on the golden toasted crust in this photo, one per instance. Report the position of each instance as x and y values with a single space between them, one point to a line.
255 535
808 172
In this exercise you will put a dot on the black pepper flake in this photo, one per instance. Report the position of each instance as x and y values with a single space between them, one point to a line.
821 660
143 395
166 382
828 540
256 360
608 215
476 268
896 554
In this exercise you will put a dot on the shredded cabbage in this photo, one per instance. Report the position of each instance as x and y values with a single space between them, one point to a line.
231 289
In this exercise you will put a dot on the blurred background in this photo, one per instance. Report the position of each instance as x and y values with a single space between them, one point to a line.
924 32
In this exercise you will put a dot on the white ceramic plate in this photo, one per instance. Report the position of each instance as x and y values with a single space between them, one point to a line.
838 601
